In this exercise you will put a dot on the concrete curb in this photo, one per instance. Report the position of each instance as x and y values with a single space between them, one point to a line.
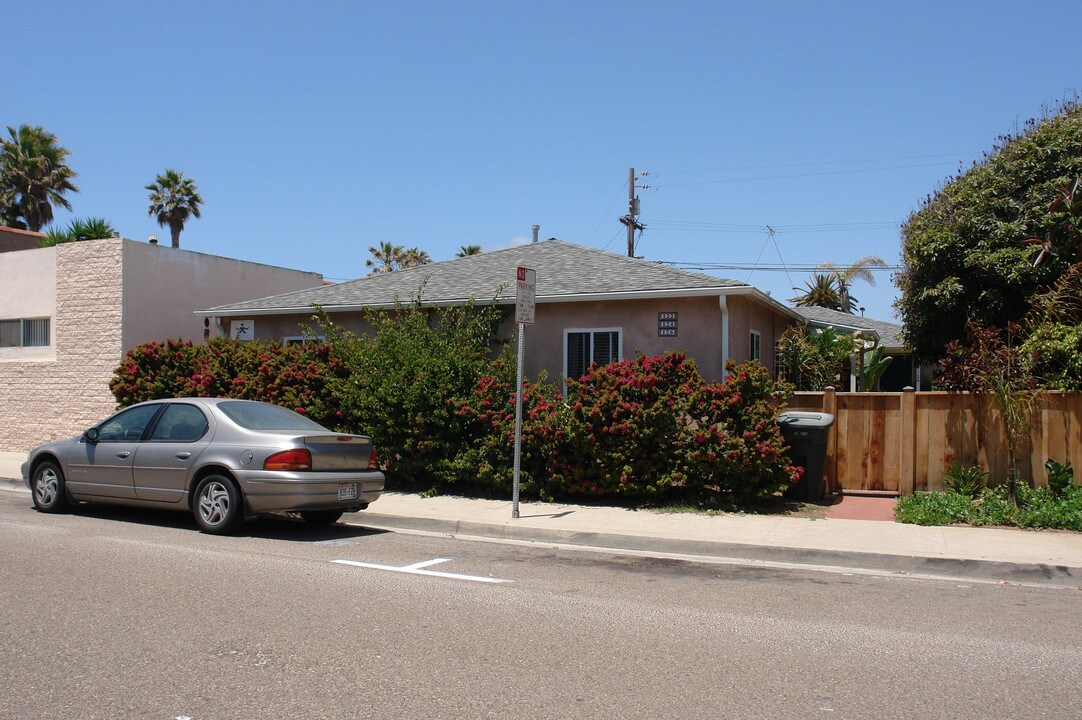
1031 573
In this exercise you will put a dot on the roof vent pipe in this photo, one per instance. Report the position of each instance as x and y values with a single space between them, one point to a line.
536 229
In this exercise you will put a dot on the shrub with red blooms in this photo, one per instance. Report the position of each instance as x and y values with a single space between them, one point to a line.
618 432
732 443
304 378
484 422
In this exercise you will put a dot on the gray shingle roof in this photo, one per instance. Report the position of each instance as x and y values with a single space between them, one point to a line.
564 271
890 334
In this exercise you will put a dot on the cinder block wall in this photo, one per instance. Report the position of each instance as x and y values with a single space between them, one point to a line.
42 400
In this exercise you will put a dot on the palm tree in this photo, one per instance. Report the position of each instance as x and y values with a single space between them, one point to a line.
822 291
385 258
173 198
859 270
33 177
465 250
414 257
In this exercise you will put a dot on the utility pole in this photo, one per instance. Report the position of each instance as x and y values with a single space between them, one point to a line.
631 219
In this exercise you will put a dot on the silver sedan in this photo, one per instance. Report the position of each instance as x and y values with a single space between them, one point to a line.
223 460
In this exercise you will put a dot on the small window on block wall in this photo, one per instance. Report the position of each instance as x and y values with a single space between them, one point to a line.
24 333
755 348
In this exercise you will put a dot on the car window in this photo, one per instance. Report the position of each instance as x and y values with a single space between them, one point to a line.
261 416
180 423
127 426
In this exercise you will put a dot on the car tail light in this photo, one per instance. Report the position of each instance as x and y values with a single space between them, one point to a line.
373 461
289 460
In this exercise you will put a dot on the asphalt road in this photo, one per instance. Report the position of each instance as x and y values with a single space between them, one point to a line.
118 613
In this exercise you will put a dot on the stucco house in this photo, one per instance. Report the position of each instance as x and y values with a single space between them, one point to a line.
68 313
591 306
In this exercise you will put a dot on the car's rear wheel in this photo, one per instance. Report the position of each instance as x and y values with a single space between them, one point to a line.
321 517
48 488
218 506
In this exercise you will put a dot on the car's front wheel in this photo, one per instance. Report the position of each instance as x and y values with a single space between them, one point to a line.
218 506
321 517
48 488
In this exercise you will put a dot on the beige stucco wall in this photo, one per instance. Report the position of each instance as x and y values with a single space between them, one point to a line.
42 400
163 287
747 314
699 330
28 291
106 296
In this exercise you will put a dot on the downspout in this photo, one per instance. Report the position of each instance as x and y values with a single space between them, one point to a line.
724 335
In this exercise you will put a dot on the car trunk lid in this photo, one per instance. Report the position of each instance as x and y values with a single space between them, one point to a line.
339 452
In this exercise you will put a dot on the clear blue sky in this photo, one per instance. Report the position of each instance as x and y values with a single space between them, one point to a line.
317 129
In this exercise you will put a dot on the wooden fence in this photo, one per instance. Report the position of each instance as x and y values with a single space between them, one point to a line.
899 443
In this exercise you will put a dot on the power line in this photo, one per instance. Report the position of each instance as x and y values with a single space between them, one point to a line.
767 267
799 175
694 226
958 156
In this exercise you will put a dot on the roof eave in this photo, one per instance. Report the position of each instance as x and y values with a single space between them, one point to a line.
541 299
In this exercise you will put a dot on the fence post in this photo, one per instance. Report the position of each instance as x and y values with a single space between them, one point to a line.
830 464
908 460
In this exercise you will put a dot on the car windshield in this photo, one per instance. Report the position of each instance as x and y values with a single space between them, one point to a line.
260 416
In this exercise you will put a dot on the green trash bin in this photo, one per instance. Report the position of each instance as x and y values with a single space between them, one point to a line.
806 435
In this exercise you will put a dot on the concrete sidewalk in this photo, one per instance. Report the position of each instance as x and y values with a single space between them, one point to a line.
1044 557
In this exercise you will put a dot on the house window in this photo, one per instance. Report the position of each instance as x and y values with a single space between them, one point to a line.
24 333
755 347
582 348
302 339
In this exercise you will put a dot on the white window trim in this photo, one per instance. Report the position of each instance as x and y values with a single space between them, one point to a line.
619 343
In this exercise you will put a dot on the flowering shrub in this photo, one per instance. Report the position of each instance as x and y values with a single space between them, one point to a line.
733 443
303 378
618 431
484 423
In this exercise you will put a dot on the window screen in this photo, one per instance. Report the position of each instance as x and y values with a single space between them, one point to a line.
24 333
585 347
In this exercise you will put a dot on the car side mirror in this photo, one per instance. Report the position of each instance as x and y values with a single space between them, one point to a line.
91 436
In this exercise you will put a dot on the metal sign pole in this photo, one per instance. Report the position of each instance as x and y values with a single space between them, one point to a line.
518 419
525 298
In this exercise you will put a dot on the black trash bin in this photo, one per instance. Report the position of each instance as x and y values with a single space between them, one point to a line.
806 435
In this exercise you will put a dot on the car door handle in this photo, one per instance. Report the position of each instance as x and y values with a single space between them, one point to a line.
123 454
183 455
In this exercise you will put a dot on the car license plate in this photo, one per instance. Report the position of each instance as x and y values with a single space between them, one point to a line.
347 491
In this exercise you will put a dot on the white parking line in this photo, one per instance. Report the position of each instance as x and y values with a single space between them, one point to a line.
417 569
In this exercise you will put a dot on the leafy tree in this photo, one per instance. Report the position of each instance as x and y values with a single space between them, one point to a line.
1054 345
173 199
386 257
859 270
466 250
965 250
34 176
822 292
